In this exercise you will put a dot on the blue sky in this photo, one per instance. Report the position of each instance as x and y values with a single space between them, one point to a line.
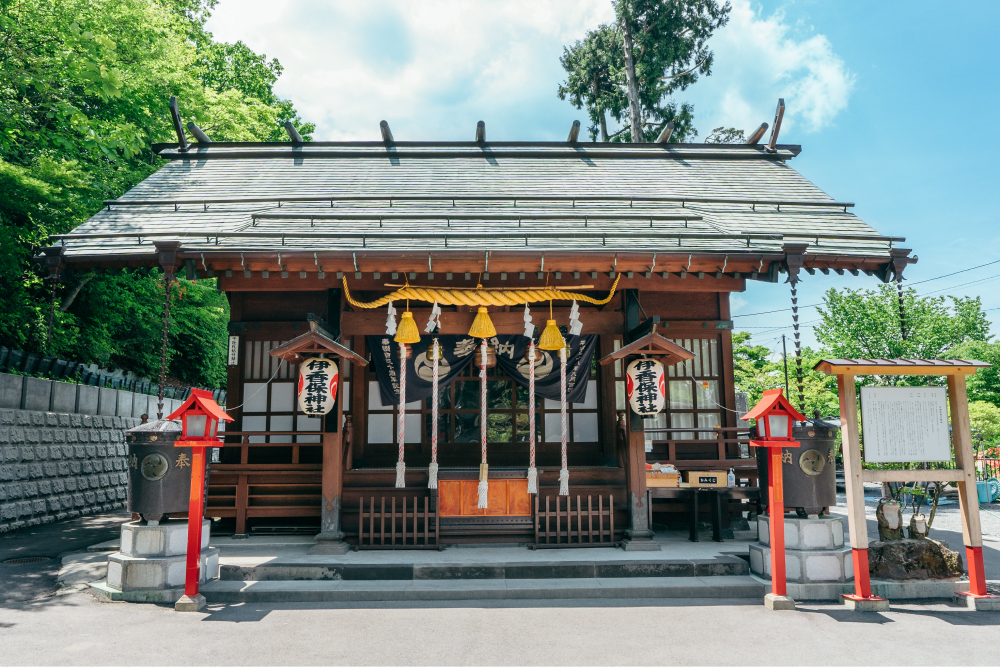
893 102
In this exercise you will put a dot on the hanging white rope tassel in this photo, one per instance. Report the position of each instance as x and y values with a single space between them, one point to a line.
390 321
532 471
400 424
564 472
432 469
483 468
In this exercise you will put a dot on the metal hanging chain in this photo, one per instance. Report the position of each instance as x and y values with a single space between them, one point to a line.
798 345
902 308
167 277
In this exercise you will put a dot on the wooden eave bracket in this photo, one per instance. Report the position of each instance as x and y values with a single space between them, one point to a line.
652 344
312 343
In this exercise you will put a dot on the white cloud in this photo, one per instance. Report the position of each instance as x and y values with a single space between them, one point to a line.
433 68
759 59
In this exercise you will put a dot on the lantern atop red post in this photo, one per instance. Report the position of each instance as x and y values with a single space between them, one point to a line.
775 417
200 416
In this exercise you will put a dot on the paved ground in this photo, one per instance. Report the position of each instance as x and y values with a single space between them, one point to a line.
39 627
53 540
78 629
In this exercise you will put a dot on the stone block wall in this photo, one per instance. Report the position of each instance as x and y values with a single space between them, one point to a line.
58 466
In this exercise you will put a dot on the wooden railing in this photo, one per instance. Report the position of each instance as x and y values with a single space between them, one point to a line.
579 526
692 449
377 527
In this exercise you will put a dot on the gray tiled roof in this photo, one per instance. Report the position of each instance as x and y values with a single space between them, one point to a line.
339 177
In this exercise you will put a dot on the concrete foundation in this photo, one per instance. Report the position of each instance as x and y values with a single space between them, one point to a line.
779 602
814 551
864 605
153 558
988 603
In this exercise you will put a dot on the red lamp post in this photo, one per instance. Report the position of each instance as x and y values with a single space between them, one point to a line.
199 416
775 417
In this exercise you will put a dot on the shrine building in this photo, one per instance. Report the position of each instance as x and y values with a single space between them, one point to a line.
322 248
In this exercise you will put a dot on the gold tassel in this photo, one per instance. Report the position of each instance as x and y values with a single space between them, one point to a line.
482 326
551 339
407 331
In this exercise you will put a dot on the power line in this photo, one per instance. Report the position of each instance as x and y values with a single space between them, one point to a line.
919 282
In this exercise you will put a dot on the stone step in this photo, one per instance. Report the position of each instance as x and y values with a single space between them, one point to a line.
718 587
723 566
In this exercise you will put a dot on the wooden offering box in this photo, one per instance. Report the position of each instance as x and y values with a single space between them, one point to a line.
705 478
663 479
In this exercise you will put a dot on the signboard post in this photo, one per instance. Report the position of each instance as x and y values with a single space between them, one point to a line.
908 424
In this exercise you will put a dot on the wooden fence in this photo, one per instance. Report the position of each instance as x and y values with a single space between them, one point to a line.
416 529
574 526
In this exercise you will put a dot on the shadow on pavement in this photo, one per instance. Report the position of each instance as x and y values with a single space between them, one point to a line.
25 586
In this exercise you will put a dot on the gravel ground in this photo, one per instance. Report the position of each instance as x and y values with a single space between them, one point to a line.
947 518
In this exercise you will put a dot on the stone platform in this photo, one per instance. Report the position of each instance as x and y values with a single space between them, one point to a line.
151 564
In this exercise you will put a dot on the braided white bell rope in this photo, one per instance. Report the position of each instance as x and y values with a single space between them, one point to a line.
401 422
432 469
532 471
483 468
564 471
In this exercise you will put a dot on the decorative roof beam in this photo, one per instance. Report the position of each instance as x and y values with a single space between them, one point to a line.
480 132
386 132
779 113
664 137
198 133
574 132
175 114
293 134
757 134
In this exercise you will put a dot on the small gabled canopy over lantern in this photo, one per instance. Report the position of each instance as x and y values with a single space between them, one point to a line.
654 345
775 417
312 344
199 416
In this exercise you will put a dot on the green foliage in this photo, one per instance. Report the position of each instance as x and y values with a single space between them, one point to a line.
198 335
866 324
669 49
755 372
726 135
84 86
985 422
985 384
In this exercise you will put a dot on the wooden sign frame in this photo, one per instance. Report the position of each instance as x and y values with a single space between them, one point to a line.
855 475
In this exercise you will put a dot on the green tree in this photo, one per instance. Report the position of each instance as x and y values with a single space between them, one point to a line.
726 135
83 91
866 324
985 384
655 49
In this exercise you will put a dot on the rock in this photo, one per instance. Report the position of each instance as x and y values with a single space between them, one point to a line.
913 559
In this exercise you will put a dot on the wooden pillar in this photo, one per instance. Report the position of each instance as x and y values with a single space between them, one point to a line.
639 535
609 419
330 539
851 452
968 494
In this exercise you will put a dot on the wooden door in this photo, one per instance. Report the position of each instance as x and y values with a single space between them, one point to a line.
507 497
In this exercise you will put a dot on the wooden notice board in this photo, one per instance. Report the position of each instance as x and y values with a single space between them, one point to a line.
905 424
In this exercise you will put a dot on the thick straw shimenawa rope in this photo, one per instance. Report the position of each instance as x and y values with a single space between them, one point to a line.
480 296
432 469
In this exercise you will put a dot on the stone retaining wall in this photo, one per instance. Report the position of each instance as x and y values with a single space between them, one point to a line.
58 466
